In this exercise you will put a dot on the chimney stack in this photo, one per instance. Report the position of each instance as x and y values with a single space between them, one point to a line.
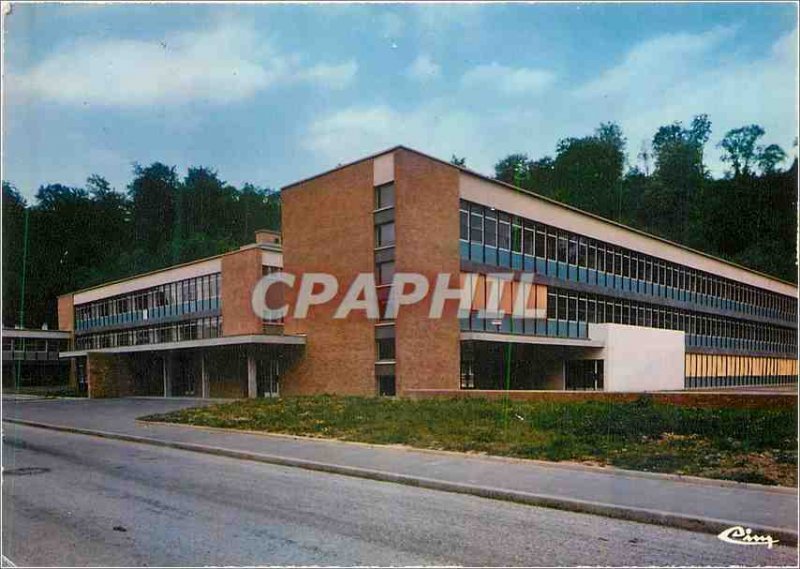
268 236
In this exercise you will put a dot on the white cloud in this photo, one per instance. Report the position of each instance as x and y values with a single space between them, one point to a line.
423 68
675 77
229 62
330 76
351 133
656 63
392 25
732 92
507 80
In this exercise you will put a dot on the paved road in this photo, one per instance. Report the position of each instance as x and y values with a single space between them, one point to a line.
751 506
102 502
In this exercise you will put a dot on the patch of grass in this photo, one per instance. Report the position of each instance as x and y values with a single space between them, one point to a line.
736 444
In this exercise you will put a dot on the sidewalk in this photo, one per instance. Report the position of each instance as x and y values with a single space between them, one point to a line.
690 503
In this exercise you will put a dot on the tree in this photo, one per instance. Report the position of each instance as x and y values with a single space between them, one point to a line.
587 171
13 227
769 157
740 148
152 193
680 174
508 169
460 162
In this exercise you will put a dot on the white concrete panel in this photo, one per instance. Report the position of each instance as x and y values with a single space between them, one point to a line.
484 192
272 259
207 267
640 359
383 169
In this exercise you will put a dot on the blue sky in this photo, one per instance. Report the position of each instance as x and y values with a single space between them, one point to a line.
270 94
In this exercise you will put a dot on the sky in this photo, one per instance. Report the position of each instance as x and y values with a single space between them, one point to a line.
270 94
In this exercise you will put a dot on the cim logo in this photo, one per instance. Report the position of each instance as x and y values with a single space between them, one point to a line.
745 536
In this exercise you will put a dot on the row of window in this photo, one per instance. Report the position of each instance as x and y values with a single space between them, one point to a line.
197 329
172 299
705 371
496 238
569 313
34 345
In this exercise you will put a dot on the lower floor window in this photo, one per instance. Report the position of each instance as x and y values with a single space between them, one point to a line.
386 385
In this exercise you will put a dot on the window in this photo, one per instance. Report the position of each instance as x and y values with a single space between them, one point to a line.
591 262
476 227
562 248
527 240
384 196
551 305
386 386
539 245
384 234
464 225
551 245
601 257
572 252
562 307
582 252
504 232
516 235
384 273
385 349
490 228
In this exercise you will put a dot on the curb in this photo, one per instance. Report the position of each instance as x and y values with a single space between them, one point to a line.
564 465
657 517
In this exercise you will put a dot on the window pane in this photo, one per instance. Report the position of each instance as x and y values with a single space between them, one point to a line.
385 272
384 196
384 234
527 241
476 228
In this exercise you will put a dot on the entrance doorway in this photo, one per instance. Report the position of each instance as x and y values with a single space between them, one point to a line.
267 374
186 376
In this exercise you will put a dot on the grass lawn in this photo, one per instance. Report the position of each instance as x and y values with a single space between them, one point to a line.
747 445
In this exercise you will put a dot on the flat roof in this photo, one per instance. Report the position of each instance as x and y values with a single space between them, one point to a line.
265 246
540 197
205 343
539 340
34 333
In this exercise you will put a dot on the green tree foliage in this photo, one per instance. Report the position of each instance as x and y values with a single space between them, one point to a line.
458 161
748 217
80 237
13 226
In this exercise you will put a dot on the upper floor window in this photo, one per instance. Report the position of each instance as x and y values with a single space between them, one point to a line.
384 196
384 234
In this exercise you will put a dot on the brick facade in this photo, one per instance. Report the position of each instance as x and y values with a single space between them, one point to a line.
427 227
327 227
240 273
66 313
109 375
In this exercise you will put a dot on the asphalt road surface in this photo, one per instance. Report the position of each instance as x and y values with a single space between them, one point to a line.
79 500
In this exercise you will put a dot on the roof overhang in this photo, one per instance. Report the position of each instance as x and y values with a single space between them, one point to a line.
539 340
29 333
256 339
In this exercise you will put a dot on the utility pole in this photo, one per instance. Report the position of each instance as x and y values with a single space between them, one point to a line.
22 295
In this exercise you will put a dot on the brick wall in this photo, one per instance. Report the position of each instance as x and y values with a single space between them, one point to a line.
240 273
109 375
427 228
327 227
66 313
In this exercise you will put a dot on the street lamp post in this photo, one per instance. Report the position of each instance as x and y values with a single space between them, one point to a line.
22 296
497 323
